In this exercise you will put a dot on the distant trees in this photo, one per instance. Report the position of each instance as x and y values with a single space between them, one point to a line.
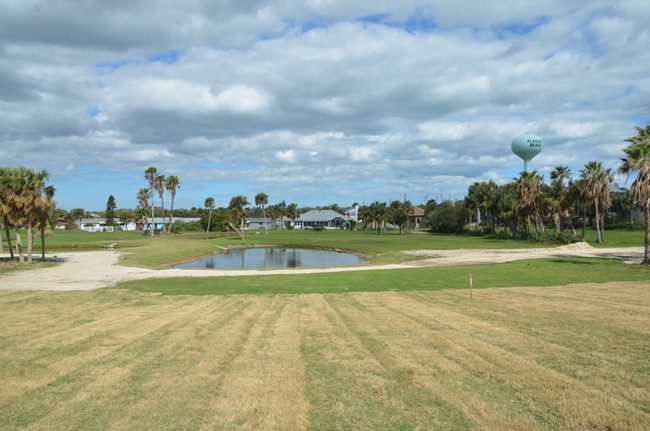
398 213
110 211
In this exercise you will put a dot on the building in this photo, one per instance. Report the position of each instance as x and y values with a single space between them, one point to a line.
158 222
417 217
328 219
258 223
98 224
352 213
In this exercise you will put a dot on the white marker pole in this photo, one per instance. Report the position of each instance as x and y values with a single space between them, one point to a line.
470 285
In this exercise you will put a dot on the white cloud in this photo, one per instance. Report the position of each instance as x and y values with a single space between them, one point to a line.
280 91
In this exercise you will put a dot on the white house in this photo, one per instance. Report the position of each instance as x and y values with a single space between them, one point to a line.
97 224
328 219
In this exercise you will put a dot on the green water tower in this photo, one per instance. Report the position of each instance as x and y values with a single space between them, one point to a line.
527 146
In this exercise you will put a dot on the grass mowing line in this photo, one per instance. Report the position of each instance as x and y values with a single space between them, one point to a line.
534 358
535 272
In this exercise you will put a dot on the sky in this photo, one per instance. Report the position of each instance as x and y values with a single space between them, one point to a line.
314 101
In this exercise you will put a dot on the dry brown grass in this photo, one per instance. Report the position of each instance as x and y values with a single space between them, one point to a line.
572 357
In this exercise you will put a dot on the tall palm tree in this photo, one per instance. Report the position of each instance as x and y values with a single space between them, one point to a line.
5 199
171 184
261 199
209 204
160 188
150 175
45 214
637 161
33 199
605 198
528 187
378 212
292 212
143 196
559 198
238 214
593 177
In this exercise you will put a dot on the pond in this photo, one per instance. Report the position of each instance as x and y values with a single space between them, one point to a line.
273 257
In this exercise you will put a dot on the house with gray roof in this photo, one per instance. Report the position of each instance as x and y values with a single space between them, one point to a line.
257 223
328 219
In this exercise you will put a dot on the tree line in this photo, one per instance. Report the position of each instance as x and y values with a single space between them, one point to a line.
26 201
527 207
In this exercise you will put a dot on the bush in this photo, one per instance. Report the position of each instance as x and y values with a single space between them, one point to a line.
444 219
181 226
550 237
318 228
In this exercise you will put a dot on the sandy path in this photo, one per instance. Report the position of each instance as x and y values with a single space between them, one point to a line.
96 269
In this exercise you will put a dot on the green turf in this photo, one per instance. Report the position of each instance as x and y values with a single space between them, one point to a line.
163 250
11 266
537 272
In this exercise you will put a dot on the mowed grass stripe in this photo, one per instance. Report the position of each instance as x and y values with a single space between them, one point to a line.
516 358
409 354
541 384
71 380
598 356
347 387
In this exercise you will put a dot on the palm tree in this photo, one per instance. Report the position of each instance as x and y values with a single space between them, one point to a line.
605 199
292 212
593 177
559 200
209 204
160 188
150 175
238 214
378 212
399 212
45 214
172 183
529 189
263 199
637 160
143 196
5 198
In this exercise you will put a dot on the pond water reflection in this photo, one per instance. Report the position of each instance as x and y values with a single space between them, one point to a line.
273 257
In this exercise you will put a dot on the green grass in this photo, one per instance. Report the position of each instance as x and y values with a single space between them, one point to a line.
537 272
163 250
12 266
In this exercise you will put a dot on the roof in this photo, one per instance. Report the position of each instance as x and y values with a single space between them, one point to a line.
320 215
257 220
100 220
417 211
